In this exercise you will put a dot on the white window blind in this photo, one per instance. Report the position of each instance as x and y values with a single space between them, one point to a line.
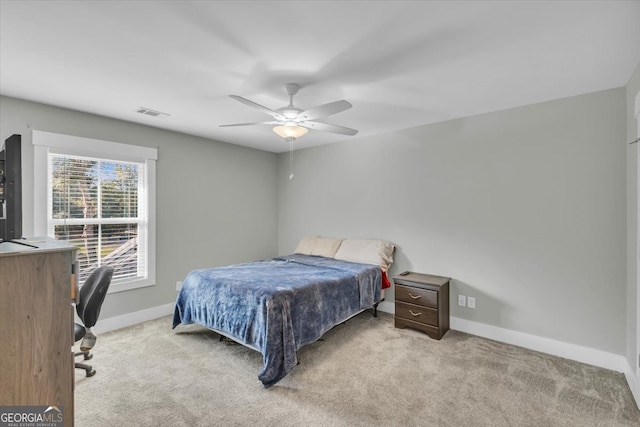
98 205
99 196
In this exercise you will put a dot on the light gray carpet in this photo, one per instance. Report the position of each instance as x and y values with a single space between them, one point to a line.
363 373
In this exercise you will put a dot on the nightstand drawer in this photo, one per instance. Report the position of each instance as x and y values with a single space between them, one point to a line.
417 296
417 313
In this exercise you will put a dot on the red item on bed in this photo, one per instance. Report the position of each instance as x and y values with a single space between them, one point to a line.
385 281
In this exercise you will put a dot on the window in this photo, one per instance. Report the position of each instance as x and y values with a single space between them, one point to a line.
99 197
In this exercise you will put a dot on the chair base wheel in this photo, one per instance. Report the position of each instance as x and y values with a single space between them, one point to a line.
88 369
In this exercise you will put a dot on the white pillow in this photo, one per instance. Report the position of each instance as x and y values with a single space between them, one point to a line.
319 246
366 251
306 245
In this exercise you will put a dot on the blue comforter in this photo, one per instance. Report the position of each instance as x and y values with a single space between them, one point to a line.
276 306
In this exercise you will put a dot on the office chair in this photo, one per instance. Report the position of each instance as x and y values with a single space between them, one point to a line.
90 300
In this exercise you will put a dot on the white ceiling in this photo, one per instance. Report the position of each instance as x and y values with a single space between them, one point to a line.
401 64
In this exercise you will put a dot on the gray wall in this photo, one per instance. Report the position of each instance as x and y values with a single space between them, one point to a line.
633 303
216 203
525 208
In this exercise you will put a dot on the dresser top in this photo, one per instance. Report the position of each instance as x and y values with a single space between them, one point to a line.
427 279
33 245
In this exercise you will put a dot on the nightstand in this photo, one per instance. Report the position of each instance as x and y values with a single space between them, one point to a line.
422 303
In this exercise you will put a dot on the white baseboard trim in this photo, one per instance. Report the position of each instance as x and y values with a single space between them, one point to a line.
130 319
590 356
387 307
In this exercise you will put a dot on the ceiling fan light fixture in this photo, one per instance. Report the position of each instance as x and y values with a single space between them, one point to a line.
292 122
290 131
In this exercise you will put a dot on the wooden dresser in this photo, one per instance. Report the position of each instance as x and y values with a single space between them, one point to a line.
36 325
422 302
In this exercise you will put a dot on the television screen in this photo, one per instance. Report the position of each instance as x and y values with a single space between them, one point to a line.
11 189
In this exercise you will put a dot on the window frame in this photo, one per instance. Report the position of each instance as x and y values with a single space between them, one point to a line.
46 142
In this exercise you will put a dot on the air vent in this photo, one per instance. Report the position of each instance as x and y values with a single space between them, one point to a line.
151 113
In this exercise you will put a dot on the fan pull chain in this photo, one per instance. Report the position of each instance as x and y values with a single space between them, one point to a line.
291 158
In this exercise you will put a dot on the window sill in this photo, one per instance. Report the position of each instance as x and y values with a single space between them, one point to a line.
130 285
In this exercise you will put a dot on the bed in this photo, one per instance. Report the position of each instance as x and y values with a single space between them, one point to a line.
278 305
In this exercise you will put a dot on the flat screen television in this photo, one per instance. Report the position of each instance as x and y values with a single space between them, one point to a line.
11 189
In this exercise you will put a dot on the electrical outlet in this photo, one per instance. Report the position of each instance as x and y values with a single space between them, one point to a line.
178 285
471 302
462 300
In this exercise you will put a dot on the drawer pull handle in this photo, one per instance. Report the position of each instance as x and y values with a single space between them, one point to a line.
414 314
414 296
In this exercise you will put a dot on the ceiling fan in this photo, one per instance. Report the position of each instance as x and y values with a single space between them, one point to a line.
293 122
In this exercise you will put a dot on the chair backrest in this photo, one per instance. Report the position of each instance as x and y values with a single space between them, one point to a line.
92 294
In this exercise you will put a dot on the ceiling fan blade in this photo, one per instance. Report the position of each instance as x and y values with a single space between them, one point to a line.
250 124
324 110
326 127
262 108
